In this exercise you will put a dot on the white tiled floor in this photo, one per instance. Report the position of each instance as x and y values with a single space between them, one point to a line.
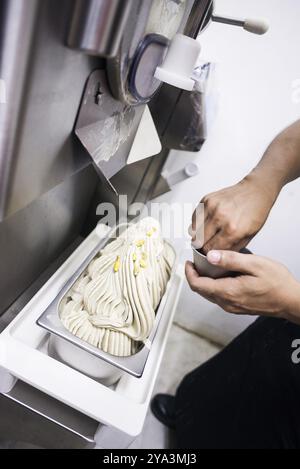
185 351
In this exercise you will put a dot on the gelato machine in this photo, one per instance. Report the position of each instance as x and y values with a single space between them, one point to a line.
79 79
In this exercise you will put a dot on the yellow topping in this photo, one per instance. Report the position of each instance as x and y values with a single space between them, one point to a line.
151 232
134 258
140 243
143 264
144 256
117 264
136 269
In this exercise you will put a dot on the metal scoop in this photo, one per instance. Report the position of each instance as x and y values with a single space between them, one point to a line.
206 269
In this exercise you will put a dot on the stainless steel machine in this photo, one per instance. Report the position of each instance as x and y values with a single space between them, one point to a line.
78 75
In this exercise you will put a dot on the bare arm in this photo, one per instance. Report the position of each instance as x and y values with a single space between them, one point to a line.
233 216
281 161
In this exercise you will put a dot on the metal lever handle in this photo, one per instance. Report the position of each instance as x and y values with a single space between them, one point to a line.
259 27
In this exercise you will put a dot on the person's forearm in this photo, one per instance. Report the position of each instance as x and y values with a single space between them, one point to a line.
280 163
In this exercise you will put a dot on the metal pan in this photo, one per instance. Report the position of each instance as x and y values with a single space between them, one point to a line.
90 360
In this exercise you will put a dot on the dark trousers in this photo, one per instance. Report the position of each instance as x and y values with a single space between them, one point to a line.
248 396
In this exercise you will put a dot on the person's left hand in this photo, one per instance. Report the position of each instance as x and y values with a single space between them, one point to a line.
264 287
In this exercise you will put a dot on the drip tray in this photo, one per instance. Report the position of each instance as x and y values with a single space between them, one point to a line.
23 354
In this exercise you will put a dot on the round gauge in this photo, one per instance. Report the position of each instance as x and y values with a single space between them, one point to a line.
151 26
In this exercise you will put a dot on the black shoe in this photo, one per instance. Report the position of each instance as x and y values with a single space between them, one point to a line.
163 408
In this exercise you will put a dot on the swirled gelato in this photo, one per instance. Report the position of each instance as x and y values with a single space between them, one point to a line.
112 305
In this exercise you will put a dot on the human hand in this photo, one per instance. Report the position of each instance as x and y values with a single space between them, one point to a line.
232 216
264 287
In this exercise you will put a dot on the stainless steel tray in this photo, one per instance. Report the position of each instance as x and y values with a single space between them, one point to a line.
50 320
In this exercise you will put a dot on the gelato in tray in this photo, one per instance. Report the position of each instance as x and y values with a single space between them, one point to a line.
112 305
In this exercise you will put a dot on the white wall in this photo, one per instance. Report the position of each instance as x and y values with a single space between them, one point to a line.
255 76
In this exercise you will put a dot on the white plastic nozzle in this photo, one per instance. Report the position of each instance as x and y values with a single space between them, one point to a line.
256 26
179 63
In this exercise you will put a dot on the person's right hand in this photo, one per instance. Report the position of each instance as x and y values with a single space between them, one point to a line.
232 216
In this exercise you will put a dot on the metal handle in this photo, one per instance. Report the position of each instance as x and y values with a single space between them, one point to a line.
98 25
252 26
